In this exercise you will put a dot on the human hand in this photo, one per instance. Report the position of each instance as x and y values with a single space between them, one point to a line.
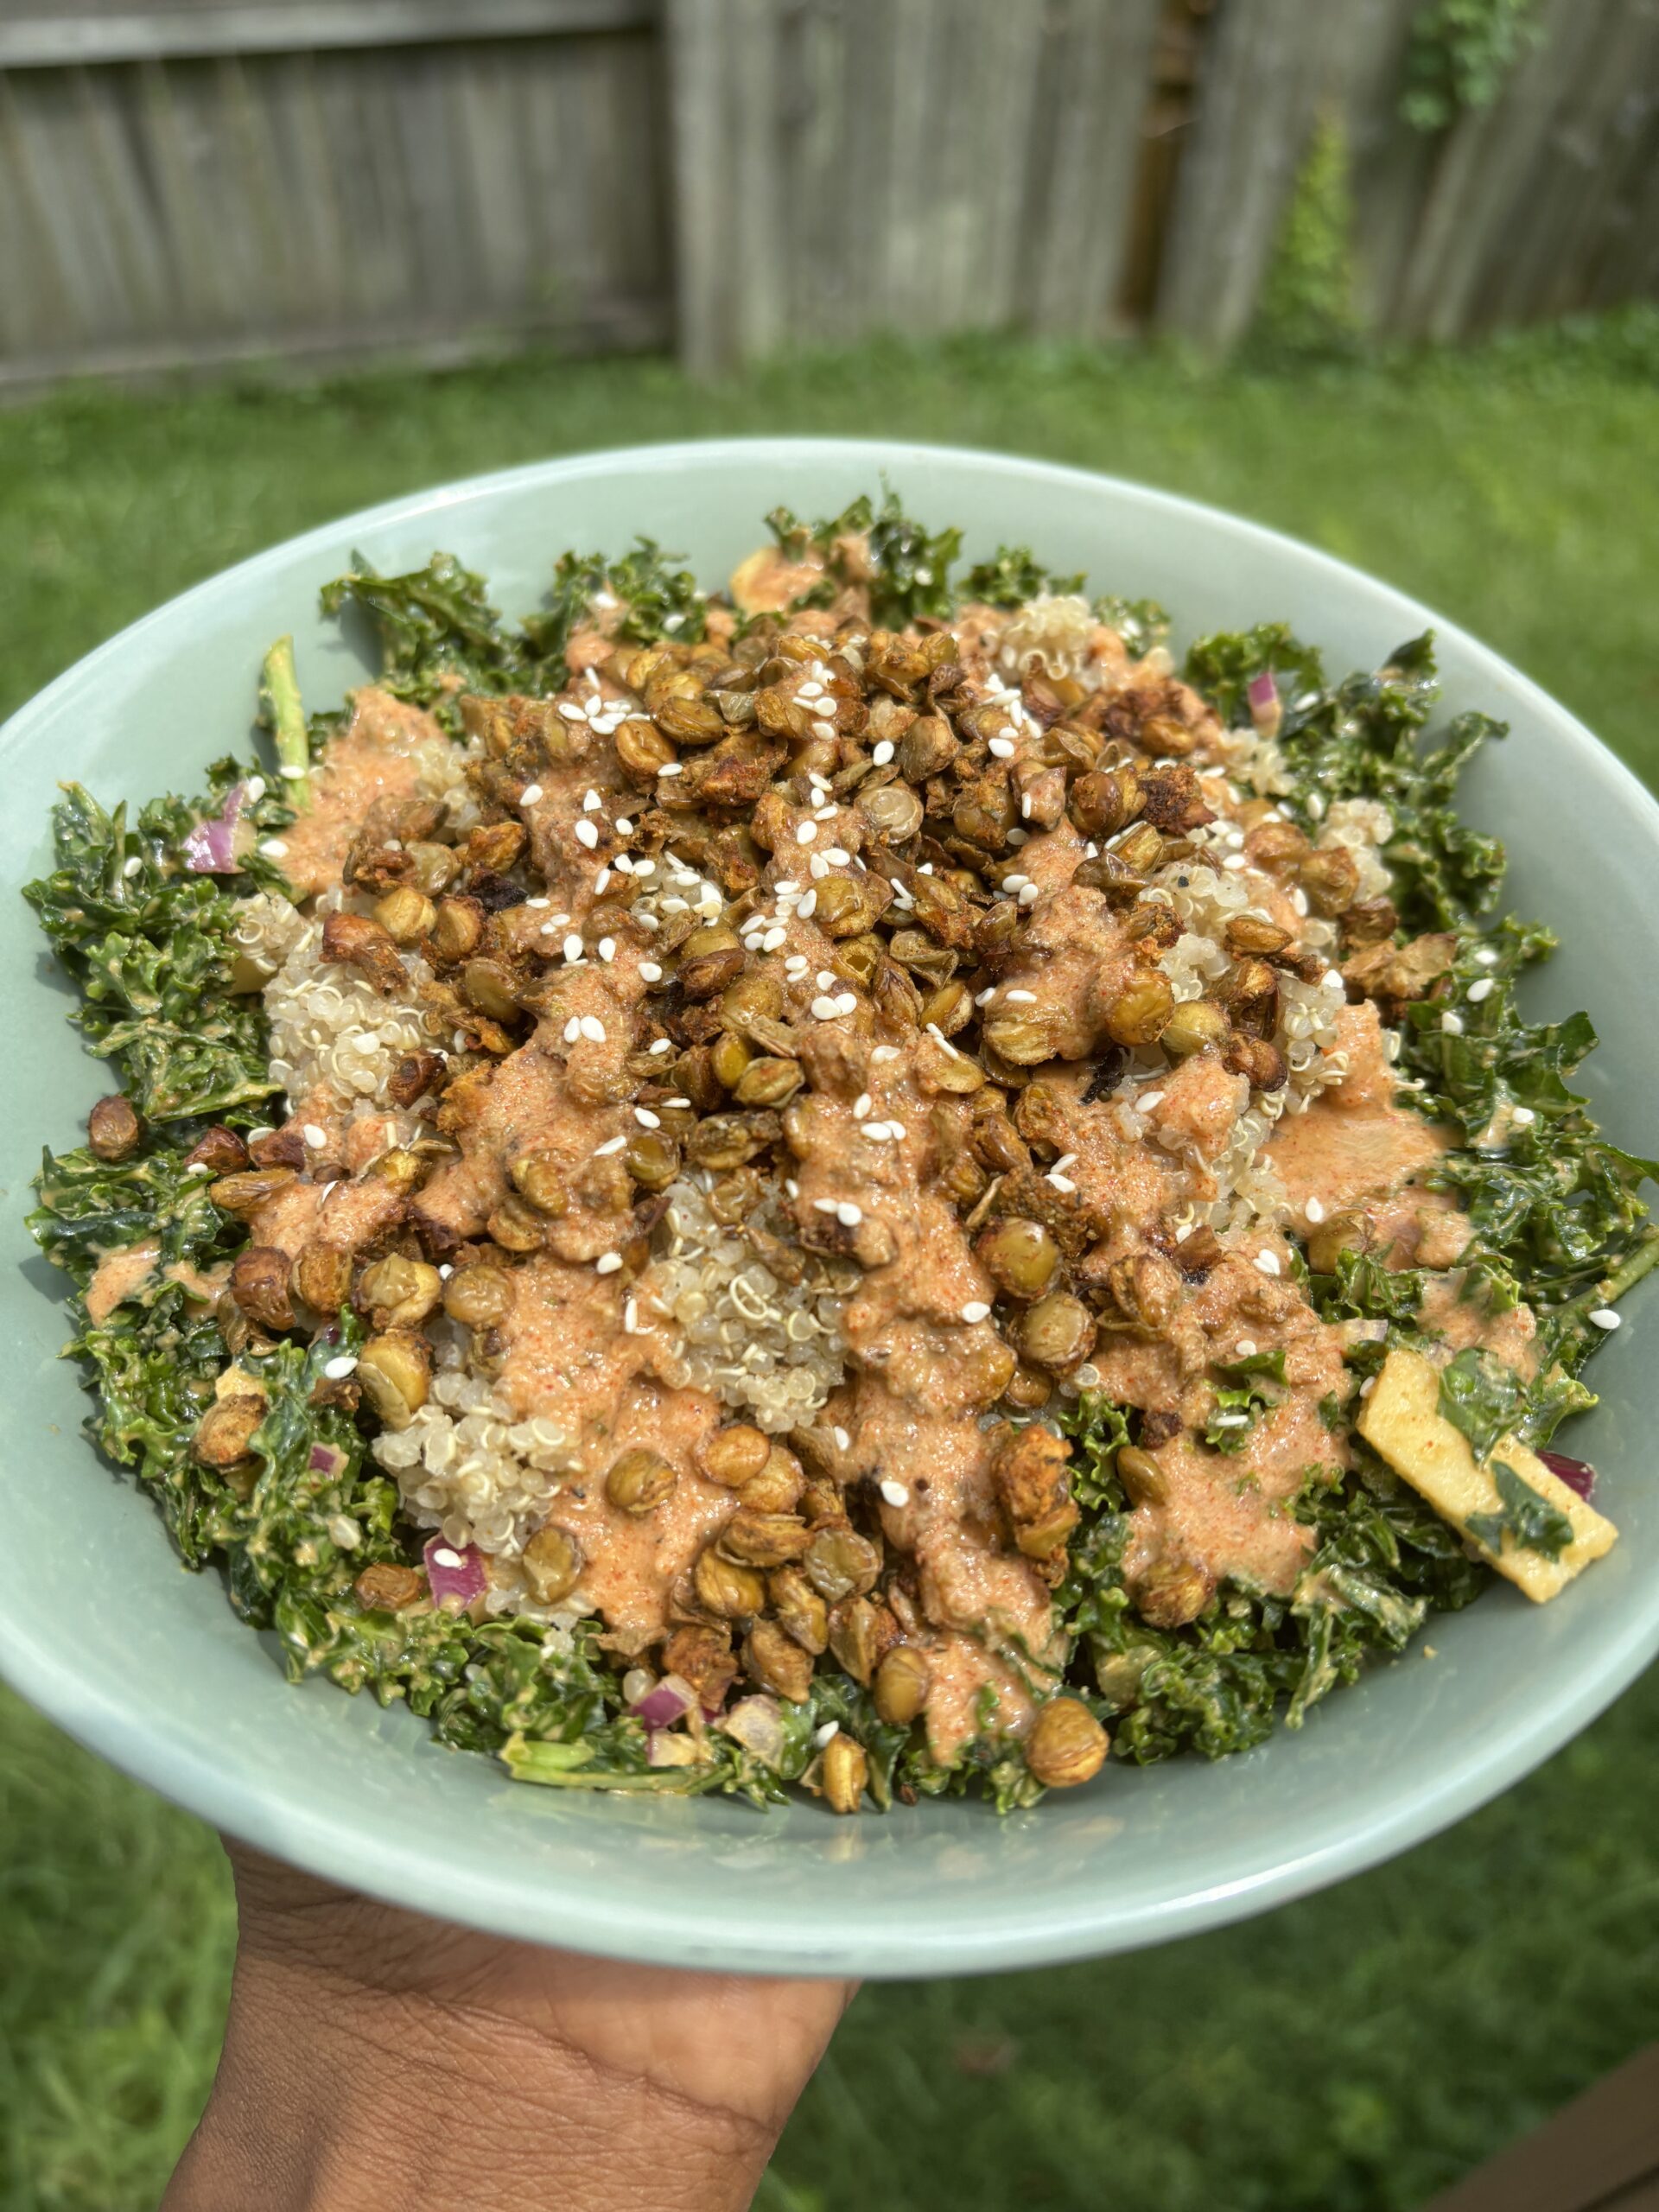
378 2060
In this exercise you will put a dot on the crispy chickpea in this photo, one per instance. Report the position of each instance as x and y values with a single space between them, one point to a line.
1139 1013
406 1291
1057 1332
776 1663
727 1588
540 1177
639 1481
552 1560
1142 1477
480 1296
1019 1256
1067 1746
840 1563
733 1455
114 1131
902 1682
845 1770
396 1371
1195 1026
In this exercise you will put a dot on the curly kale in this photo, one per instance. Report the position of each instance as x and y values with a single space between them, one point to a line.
151 946
1013 575
1380 1561
1141 623
909 567
439 635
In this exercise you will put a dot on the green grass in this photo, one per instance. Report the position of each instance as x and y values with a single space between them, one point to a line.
1349 2054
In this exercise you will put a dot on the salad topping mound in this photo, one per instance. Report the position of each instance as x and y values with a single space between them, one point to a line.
856 1183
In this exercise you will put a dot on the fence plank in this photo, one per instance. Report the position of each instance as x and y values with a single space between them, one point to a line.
1100 65
52 37
1265 67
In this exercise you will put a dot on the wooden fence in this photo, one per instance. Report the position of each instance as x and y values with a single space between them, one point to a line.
193 183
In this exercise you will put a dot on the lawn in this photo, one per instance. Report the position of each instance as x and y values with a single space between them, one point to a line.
1349 2054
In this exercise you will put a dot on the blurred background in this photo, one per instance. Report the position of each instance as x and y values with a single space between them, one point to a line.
1379 272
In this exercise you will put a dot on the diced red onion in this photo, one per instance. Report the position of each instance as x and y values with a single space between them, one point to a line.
1266 710
327 1459
669 1700
455 1572
757 1723
211 847
1577 1474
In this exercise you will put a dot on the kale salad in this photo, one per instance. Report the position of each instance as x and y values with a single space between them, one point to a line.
860 1182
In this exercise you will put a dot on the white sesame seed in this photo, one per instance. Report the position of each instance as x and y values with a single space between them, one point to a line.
1148 1100
1604 1317
1298 899
600 880
773 939
591 801
861 1105
338 1369
976 1309
1234 861
274 850
877 1132
818 866
607 1263
587 835
672 768
805 832
1522 1116
846 1001
530 794
824 730
592 1028
1268 1262
442 1556
647 1119
1002 747
809 907
895 1493
201 1168
882 752
1014 882
823 813
1451 1024
608 948
827 1735
662 1044
1486 957
256 790
838 855
1029 894
1245 1348
848 1215
538 904
571 712
1021 998
446 1271
612 1144
1314 1210
1061 1182
573 947
649 972
1483 988
823 1205
1230 1420
825 1009
1368 1386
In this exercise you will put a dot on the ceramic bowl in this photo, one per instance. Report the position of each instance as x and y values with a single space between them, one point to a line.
146 1664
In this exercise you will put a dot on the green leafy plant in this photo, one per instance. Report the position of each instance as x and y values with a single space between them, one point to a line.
1306 304
1461 55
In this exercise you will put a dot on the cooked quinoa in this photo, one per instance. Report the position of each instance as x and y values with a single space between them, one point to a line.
819 1179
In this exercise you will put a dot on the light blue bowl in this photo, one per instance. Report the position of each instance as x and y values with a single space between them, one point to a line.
147 1664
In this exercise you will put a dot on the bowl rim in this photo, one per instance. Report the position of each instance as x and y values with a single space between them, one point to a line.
407 1872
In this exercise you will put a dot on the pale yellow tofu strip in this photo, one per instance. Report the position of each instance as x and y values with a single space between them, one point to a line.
1402 1421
